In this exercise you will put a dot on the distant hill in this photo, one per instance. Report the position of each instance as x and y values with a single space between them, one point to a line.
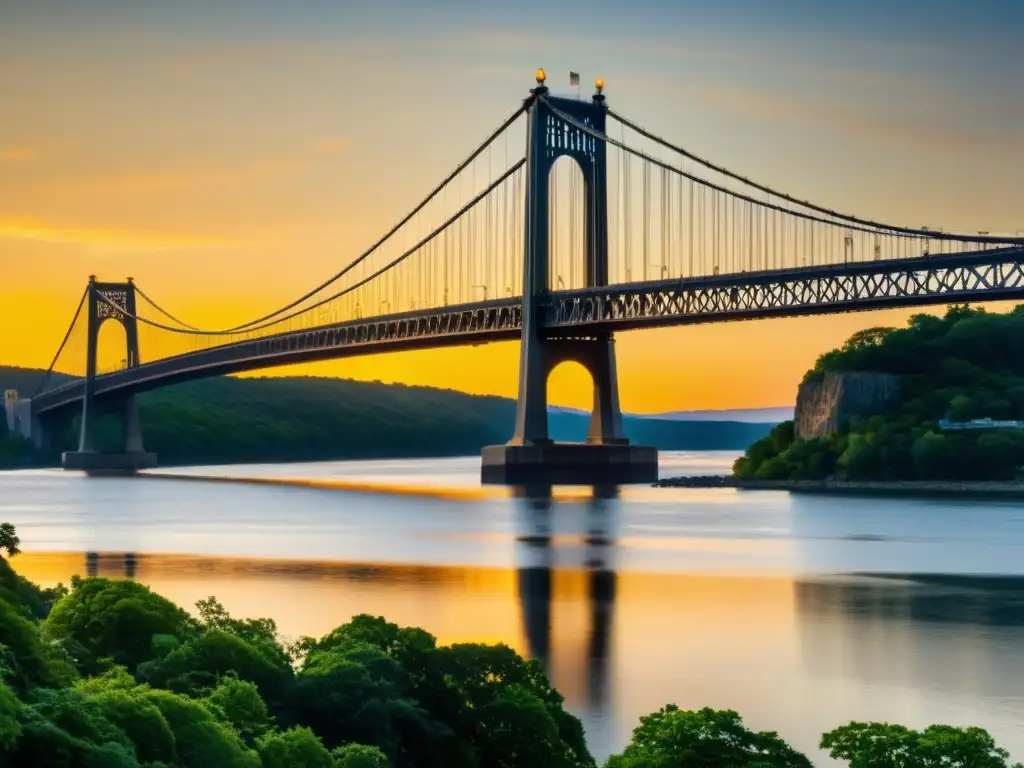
306 418
25 380
756 415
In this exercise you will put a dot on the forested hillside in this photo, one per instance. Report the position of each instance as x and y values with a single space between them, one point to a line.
226 420
966 365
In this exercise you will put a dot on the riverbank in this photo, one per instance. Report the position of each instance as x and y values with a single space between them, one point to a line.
1009 490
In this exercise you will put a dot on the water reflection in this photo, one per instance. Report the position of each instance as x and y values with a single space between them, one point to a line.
937 633
535 564
115 565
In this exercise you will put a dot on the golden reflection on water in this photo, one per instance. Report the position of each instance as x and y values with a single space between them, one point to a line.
575 620
794 655
450 493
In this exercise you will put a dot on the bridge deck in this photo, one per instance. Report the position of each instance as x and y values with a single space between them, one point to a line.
988 275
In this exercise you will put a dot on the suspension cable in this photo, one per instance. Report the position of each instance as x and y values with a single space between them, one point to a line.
63 343
163 311
381 241
934 235
917 234
397 260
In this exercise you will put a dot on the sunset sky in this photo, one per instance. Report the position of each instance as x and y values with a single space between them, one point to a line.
230 155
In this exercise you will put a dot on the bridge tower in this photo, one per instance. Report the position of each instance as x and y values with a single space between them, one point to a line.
531 456
115 302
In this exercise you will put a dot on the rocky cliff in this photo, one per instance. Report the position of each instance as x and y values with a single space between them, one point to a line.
823 406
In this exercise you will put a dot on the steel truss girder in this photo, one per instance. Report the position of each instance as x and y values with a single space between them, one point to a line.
969 277
445 326
980 276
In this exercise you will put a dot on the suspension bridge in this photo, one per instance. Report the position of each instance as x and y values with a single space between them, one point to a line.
602 226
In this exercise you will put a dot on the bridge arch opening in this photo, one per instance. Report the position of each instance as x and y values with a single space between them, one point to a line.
569 385
111 347
567 225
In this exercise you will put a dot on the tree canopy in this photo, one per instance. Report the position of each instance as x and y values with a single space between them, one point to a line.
674 738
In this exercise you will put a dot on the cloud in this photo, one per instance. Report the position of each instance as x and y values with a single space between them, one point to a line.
106 238
880 125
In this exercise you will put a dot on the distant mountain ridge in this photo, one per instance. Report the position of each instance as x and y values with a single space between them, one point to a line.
772 415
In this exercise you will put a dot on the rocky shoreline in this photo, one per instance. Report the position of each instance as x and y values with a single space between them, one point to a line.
919 488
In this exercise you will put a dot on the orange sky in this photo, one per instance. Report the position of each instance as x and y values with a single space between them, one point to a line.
230 160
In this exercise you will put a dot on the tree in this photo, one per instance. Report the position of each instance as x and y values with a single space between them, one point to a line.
200 740
241 705
10 716
932 455
359 756
706 738
116 619
9 539
511 714
356 694
296 748
195 667
259 632
882 745
28 661
140 720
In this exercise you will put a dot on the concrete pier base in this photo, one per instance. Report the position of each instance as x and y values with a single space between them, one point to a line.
569 464
96 463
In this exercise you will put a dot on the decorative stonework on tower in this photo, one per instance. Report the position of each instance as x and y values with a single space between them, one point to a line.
531 456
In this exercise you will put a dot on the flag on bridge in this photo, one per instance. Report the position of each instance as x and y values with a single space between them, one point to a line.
574 78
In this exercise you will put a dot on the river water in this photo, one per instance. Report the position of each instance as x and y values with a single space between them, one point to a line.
800 612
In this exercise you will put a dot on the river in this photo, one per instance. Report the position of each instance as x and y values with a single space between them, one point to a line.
800 612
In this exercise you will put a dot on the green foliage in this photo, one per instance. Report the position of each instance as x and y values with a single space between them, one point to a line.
258 633
509 700
10 716
116 619
710 738
194 667
141 721
296 748
240 704
200 739
16 451
9 539
25 597
881 745
968 364
372 682
26 660
359 756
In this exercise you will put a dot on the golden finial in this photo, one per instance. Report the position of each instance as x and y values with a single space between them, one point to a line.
599 84
541 76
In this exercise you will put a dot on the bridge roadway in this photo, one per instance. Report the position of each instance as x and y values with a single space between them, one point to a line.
989 275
